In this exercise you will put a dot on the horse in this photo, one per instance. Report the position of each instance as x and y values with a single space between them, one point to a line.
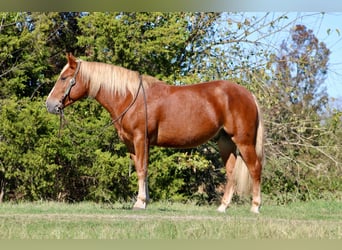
149 112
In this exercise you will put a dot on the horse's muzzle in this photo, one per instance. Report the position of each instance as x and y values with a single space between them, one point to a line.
54 106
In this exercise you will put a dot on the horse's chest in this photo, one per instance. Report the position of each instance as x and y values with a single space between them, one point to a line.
124 135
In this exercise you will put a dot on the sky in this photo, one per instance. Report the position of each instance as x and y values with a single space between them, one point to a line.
332 21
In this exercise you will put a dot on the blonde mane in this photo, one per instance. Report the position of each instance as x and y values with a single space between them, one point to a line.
114 79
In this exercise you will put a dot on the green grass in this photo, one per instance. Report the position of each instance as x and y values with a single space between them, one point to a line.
49 220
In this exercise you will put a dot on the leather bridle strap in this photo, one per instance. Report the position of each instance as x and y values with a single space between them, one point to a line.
71 83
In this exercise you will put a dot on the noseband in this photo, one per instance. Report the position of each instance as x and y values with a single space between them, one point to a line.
71 83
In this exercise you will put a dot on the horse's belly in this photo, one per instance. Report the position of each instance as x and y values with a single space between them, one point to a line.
185 135
188 119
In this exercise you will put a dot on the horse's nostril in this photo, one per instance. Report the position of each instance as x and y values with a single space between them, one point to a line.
57 110
54 107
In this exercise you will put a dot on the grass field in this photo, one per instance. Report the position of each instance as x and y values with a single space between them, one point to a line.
49 220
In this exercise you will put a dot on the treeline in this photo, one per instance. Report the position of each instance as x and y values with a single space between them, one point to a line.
83 159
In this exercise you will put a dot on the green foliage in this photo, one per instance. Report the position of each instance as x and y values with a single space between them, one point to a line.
111 179
135 40
178 176
26 149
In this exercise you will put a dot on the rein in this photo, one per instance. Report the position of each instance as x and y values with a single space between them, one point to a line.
141 86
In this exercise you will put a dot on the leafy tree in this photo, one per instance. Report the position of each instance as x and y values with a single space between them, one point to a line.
158 44
33 47
15 41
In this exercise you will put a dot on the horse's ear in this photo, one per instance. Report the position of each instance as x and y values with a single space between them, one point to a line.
71 61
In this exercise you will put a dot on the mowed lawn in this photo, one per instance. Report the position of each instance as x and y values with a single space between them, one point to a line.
50 220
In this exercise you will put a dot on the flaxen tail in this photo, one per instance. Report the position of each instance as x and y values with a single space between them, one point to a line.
242 177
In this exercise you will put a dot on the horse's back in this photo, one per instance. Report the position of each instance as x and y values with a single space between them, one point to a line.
222 95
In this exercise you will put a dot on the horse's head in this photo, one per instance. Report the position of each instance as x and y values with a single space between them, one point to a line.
68 88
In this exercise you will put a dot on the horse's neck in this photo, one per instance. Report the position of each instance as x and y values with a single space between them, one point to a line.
115 104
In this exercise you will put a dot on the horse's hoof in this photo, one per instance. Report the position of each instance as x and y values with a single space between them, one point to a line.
255 210
221 208
138 208
139 205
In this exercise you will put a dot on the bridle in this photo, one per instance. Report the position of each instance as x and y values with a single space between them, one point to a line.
66 94
72 83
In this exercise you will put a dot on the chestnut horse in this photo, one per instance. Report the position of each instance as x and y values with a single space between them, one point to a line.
146 111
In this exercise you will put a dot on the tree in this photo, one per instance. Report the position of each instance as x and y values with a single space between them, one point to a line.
33 47
15 41
302 68
138 41
296 129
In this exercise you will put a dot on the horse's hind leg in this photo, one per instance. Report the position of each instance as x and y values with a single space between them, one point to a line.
228 154
253 163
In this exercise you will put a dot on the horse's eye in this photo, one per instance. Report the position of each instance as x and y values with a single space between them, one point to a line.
63 78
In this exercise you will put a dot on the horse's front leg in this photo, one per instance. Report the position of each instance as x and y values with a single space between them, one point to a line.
140 158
